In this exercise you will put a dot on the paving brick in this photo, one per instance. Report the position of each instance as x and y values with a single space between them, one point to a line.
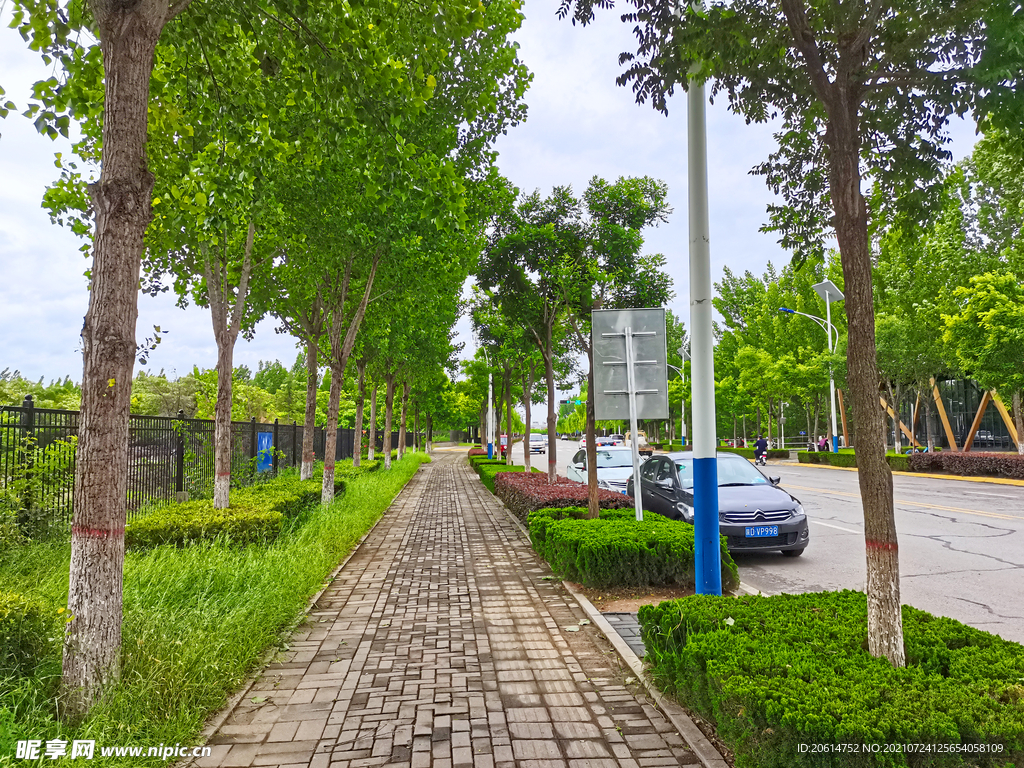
440 645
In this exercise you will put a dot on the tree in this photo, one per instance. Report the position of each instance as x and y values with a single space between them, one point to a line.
610 273
986 335
862 90
359 51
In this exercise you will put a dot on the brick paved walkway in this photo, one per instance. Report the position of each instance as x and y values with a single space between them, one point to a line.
442 644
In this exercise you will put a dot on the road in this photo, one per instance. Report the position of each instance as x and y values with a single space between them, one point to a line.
961 543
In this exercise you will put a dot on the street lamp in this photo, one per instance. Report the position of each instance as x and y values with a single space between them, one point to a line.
829 292
682 405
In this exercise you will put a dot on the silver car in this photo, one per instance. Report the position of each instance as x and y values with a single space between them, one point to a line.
614 467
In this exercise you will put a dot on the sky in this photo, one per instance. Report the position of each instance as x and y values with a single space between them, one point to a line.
580 124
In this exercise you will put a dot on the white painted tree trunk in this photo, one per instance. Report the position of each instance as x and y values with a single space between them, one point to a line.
372 436
389 402
331 437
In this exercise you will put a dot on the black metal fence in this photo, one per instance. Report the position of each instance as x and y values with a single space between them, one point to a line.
166 455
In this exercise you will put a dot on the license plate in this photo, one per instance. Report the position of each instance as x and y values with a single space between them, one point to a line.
759 531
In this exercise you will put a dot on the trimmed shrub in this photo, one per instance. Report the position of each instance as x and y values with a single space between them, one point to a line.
477 451
618 550
775 673
748 453
491 470
193 521
991 464
523 494
809 457
28 632
840 459
898 463
257 512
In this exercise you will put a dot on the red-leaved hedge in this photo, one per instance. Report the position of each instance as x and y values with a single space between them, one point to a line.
477 451
523 493
991 464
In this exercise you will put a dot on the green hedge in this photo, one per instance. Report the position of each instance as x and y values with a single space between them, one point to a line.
488 468
28 633
778 673
896 463
257 512
748 453
617 550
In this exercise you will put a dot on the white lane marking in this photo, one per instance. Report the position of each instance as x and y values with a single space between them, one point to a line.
998 495
837 527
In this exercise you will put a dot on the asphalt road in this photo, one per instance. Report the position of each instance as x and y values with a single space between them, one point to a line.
961 543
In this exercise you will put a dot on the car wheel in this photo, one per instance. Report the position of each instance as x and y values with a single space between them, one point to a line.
792 552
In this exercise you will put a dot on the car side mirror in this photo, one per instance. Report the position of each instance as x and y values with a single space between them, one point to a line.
578 466
665 483
774 480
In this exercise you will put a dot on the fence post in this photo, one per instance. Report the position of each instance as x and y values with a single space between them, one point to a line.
28 424
252 445
273 452
294 440
180 494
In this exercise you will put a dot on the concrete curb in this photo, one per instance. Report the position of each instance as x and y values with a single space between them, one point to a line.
695 739
214 723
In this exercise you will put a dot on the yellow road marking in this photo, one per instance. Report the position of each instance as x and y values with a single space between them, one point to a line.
996 515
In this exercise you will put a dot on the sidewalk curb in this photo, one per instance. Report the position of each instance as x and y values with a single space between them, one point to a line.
214 724
705 751
697 742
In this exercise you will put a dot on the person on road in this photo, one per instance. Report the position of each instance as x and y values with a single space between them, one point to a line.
823 443
760 449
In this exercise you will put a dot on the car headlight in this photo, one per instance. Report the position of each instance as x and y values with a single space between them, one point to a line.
603 484
799 509
685 510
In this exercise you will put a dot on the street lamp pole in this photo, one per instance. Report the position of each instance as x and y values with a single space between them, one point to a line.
682 405
829 292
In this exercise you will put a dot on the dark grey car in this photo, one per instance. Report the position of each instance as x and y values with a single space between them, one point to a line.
754 513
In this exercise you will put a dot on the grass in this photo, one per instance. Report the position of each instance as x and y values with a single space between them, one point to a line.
197 620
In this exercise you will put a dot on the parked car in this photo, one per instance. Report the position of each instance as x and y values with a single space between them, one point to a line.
538 442
754 513
984 437
614 467
619 439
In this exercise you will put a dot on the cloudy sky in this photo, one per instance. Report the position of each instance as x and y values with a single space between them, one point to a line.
580 124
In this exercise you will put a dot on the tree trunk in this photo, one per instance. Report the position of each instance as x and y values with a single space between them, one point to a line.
549 376
389 403
508 414
309 425
128 35
222 425
331 436
227 322
415 426
429 427
406 388
371 438
885 626
357 436
1018 421
527 397
593 502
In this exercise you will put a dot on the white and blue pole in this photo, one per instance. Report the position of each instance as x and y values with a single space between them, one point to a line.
707 551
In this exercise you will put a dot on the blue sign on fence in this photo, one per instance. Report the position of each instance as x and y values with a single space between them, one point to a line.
264 444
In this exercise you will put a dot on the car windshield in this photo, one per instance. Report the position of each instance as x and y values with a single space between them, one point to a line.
536 438
606 459
730 472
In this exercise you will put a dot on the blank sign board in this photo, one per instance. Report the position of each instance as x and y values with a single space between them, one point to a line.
611 384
